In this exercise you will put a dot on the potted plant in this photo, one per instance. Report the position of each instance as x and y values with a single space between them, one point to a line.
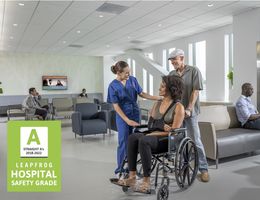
230 76
1 89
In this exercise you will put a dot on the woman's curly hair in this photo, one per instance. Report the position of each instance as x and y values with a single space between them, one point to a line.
174 85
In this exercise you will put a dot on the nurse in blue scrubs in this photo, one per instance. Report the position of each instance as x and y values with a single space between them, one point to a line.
122 93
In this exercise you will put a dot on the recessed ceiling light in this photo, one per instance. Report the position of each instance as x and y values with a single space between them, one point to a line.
107 45
15 24
101 16
21 4
78 31
159 25
128 37
64 42
11 37
210 5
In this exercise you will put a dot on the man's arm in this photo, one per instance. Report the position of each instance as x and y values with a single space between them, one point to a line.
254 117
193 98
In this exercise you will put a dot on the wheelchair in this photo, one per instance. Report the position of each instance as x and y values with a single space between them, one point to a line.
181 161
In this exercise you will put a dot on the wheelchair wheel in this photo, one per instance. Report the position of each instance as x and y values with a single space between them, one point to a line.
165 181
186 163
163 192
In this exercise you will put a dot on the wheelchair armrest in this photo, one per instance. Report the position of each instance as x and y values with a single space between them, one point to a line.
142 126
177 130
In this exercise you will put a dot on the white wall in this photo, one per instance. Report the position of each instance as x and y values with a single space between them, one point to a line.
215 77
108 76
246 29
18 72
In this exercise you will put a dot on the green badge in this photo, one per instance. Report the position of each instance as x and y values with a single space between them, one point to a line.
34 154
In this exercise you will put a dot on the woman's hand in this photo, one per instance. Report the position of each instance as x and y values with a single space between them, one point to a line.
167 128
132 123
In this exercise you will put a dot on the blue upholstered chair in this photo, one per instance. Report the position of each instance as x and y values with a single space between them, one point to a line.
88 121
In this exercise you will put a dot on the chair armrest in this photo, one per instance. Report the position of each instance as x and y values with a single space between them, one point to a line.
208 138
76 122
103 115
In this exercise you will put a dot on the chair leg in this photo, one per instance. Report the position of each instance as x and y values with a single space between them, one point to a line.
75 135
82 138
216 163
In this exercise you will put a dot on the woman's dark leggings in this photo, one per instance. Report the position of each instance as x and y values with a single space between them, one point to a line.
145 145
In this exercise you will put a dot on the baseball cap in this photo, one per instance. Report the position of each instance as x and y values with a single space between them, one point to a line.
176 52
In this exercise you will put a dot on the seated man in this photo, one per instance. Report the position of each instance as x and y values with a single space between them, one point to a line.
247 114
32 105
171 112
83 94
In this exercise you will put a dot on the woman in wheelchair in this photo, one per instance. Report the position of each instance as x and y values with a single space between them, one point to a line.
171 113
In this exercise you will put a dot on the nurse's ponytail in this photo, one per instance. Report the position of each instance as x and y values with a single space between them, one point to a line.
119 67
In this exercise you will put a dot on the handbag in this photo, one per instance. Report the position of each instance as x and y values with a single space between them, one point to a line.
158 124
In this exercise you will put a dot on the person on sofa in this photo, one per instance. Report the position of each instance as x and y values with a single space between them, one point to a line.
246 112
33 106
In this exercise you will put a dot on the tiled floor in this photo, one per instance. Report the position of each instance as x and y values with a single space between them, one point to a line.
87 167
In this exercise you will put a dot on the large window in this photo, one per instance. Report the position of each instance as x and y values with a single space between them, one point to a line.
151 84
131 63
164 59
191 54
197 57
228 45
167 65
144 80
133 68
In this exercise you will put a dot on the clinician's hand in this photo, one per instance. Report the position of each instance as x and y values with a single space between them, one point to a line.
132 123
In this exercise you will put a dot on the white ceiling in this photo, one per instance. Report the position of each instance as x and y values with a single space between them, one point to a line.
50 26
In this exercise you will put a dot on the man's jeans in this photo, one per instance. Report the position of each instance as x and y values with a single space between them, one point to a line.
253 124
193 131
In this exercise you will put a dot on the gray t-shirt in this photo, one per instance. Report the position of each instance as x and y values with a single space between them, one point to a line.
192 79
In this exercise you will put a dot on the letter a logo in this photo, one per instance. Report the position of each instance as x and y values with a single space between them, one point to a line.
34 142
33 138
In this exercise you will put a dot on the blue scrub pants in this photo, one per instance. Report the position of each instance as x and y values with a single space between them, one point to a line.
124 130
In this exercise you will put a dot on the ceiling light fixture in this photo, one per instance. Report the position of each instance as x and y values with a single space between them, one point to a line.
15 24
64 42
101 16
210 5
128 37
107 45
159 25
78 31
21 4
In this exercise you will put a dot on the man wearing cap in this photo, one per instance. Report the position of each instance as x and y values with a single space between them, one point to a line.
192 85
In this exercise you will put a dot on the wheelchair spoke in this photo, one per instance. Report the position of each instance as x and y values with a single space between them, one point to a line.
191 169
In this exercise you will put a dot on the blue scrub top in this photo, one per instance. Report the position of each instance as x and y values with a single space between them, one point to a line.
124 95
